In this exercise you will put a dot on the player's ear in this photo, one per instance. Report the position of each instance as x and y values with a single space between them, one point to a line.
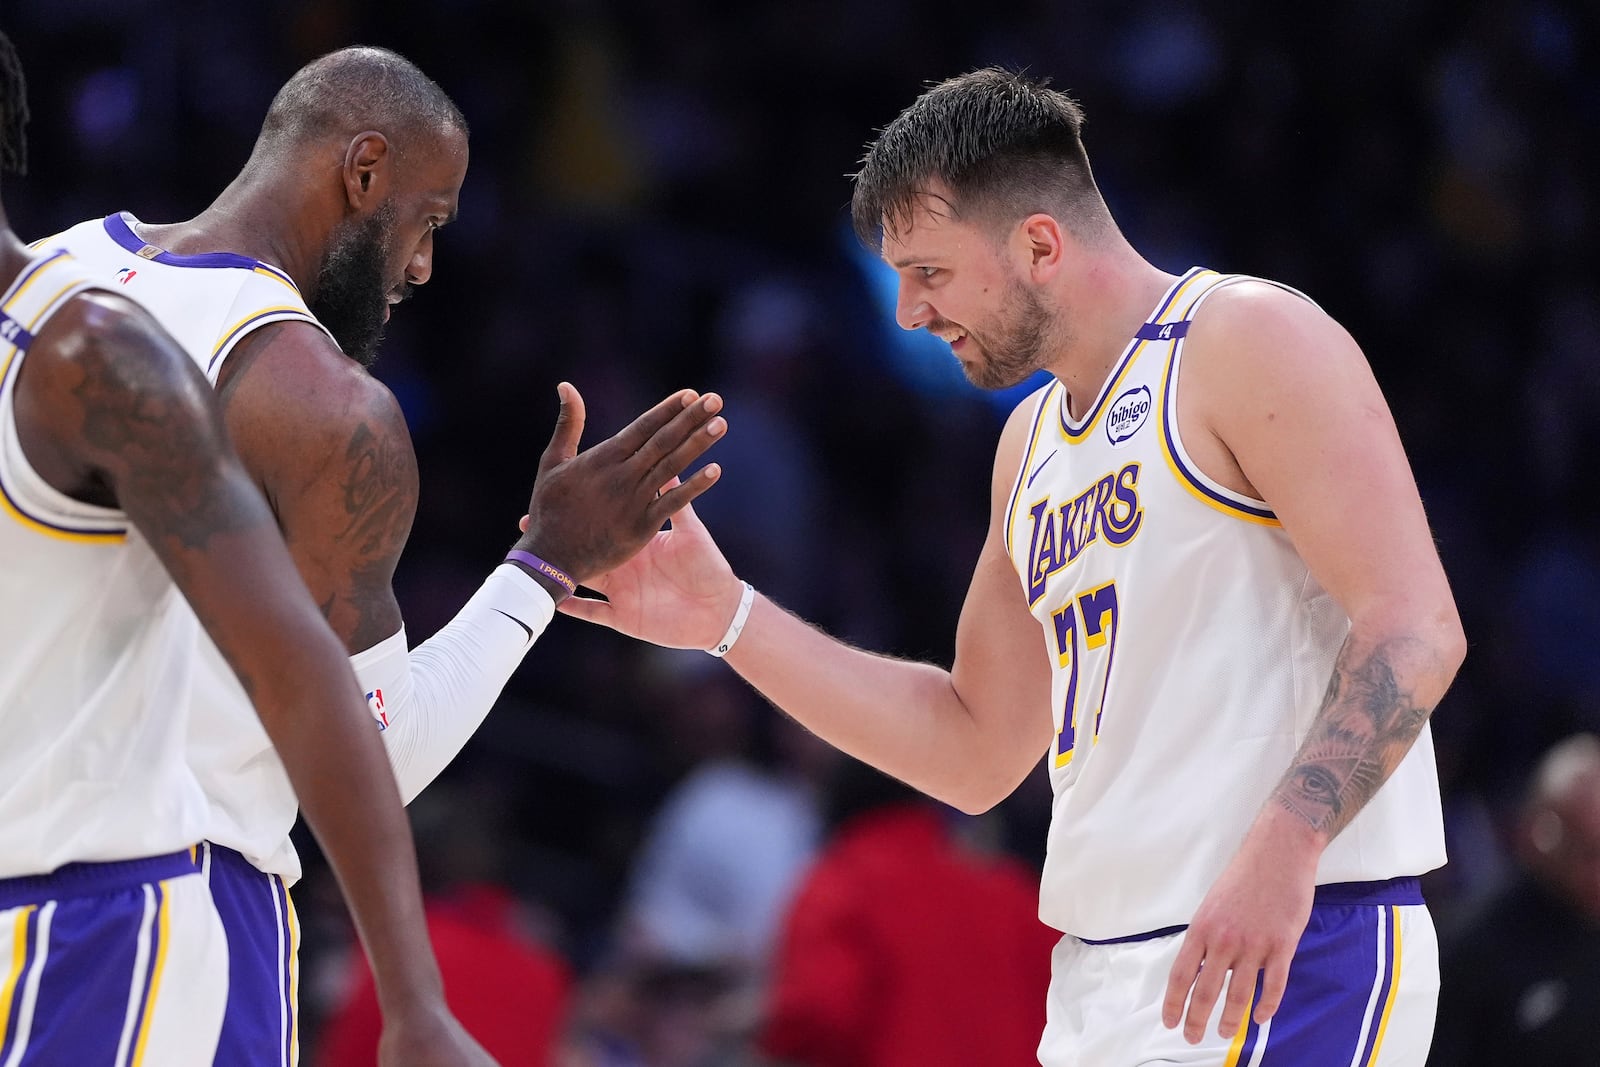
367 169
1041 243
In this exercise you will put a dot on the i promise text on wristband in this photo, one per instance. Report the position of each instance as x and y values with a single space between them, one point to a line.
736 627
554 573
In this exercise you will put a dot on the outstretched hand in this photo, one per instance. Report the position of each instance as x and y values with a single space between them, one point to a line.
591 511
678 592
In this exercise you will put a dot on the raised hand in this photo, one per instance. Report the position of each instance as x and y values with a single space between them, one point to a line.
678 592
593 510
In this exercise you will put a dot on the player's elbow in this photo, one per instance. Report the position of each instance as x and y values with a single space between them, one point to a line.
1438 627
979 803
1450 642
978 793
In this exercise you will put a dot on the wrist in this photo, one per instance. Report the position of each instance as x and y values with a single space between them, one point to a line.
554 578
1292 840
740 617
414 998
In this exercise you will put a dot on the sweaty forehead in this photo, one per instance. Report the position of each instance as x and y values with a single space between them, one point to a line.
928 227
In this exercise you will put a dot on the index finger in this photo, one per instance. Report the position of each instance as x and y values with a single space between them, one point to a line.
633 436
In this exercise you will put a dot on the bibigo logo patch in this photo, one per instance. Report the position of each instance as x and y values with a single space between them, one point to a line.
1128 412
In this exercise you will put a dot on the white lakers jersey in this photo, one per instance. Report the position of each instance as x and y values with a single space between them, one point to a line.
209 303
1190 650
99 648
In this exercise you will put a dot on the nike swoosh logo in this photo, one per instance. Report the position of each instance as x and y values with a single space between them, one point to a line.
525 627
1039 468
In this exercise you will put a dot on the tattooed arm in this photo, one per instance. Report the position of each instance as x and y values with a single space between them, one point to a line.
109 409
1369 717
1277 401
329 446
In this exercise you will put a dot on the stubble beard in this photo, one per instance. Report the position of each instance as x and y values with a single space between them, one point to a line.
1010 350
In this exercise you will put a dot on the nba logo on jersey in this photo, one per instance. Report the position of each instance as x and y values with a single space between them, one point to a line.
126 275
375 703
1128 412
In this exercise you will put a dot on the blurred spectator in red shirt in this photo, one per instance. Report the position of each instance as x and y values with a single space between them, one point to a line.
906 947
509 991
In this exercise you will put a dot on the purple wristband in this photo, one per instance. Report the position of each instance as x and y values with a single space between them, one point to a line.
555 574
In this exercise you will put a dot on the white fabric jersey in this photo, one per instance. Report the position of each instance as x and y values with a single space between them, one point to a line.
99 650
209 303
1190 650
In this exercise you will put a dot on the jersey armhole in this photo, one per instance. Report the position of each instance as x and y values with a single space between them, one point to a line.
1183 468
1019 484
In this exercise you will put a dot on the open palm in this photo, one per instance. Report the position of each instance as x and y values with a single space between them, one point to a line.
678 592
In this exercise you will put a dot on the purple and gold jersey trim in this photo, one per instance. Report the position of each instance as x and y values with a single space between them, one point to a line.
18 334
119 227
1075 432
283 313
1202 488
1023 477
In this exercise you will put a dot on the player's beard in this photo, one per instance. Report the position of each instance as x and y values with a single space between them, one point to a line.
1010 345
351 294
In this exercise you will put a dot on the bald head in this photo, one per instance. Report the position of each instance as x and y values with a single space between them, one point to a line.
355 89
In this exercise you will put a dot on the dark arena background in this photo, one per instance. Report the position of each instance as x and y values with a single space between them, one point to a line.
658 197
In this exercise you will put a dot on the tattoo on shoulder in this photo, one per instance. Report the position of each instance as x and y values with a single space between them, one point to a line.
1364 728
159 443
379 494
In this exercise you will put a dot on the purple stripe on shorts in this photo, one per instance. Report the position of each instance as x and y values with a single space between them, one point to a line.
253 1031
88 970
1382 1001
281 892
147 987
30 949
1319 1023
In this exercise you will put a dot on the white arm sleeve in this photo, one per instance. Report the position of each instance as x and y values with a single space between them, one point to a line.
428 701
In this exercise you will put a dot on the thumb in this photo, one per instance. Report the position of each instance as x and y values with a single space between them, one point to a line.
685 518
569 428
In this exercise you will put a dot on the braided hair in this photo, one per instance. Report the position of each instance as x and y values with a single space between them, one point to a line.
13 110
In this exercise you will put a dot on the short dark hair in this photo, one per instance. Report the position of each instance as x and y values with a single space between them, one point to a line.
13 110
1003 145
364 87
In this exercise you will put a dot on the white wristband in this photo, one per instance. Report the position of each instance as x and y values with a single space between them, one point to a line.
736 627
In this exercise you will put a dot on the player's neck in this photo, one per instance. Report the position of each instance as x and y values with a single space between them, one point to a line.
1106 304
263 215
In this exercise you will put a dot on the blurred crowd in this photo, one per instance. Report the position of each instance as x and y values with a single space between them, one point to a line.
633 859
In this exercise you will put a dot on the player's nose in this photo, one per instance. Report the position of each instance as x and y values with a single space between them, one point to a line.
910 314
420 267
